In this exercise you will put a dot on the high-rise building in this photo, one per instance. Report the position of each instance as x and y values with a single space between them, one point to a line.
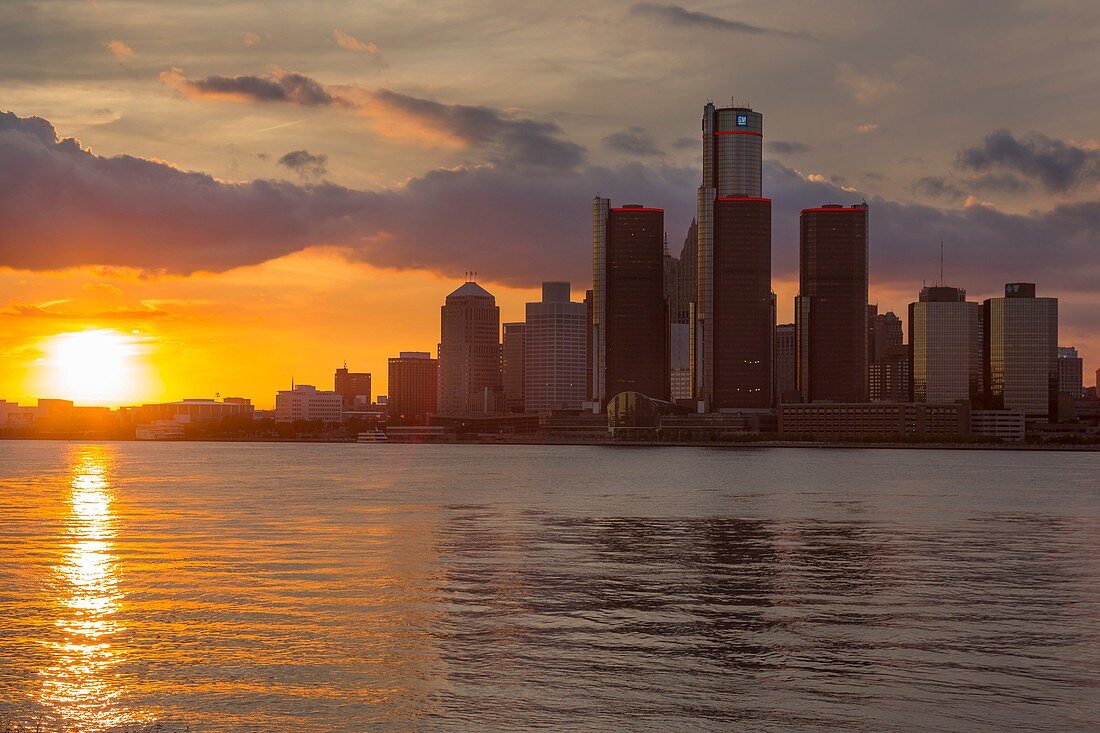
883 333
679 348
1020 352
888 377
556 351
831 308
733 311
413 388
469 353
306 402
512 358
786 382
353 388
944 336
629 310
1070 372
685 284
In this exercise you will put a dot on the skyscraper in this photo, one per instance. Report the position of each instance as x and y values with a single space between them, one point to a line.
733 319
786 383
944 333
413 388
831 308
1020 352
469 352
883 333
629 310
353 387
1070 372
556 353
512 358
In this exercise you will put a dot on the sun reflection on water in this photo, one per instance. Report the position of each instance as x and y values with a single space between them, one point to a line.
79 686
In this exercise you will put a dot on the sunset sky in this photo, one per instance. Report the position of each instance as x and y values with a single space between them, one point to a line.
241 193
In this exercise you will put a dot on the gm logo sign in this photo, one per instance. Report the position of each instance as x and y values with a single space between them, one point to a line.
742 120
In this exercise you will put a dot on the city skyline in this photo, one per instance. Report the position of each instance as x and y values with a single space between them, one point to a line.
346 126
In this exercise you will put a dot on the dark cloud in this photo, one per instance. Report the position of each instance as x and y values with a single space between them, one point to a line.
1058 165
787 147
938 187
504 138
281 86
677 15
508 139
63 206
305 164
686 143
632 141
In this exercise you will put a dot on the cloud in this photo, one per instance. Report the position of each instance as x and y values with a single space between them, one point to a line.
119 49
305 164
281 86
252 39
1056 164
503 137
63 206
686 143
866 129
679 16
351 43
632 141
937 187
865 88
784 148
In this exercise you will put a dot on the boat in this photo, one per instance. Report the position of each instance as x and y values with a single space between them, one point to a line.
372 436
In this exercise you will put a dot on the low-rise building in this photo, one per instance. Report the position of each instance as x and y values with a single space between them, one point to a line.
1003 424
306 402
872 419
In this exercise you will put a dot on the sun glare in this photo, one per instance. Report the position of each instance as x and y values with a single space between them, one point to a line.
94 367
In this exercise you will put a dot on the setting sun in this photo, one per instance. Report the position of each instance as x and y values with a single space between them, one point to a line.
98 367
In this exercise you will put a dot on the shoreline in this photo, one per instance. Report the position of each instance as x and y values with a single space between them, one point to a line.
824 444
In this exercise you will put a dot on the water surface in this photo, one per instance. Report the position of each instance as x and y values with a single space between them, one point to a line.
280 587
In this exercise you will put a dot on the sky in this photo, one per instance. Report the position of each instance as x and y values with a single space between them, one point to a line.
246 193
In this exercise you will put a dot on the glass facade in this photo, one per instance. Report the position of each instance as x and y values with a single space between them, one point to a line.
946 347
469 349
1020 344
831 308
412 388
555 357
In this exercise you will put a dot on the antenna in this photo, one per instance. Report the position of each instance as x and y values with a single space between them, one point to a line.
941 263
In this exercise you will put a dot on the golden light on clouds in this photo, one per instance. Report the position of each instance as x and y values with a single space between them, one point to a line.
94 367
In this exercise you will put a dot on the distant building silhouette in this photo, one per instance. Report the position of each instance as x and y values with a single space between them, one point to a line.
1020 352
944 336
734 316
831 308
556 351
413 389
629 310
469 353
354 388
1070 372
786 383
884 332
512 357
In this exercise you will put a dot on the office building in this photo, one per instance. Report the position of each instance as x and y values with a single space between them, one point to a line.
864 420
469 353
306 402
883 333
512 358
353 388
1020 352
734 320
1004 424
944 337
679 338
831 307
629 310
555 361
786 383
888 377
1070 372
413 389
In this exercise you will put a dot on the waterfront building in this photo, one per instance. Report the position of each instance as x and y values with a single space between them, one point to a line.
734 321
786 373
1070 372
888 377
512 365
306 402
863 419
831 307
555 361
629 311
354 388
1004 424
413 392
944 336
1020 352
192 411
469 353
